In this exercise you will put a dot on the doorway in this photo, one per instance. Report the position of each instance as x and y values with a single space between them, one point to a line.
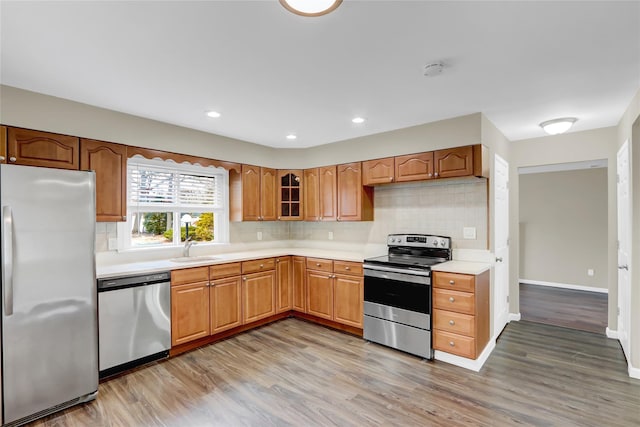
563 245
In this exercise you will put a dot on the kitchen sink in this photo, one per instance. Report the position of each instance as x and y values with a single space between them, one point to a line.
201 258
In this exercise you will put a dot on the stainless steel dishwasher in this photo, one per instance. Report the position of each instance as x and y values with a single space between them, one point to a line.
134 315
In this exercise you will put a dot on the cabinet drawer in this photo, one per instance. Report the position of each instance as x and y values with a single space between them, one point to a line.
454 281
461 302
454 322
320 264
225 270
454 344
348 267
258 265
189 275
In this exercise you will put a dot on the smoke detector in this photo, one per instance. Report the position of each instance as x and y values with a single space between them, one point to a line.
433 69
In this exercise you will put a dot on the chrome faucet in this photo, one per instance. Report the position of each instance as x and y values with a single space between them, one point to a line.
187 245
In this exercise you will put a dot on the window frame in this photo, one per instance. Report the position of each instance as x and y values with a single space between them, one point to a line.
221 215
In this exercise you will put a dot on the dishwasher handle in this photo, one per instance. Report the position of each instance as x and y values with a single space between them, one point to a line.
115 283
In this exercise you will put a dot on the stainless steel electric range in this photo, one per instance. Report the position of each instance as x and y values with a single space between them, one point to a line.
397 292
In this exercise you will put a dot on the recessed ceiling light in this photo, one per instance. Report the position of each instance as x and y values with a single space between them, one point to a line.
358 120
557 126
310 7
291 137
213 114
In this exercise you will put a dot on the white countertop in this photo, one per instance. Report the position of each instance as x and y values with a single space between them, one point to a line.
462 267
125 269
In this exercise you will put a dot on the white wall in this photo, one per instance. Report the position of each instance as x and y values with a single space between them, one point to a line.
563 219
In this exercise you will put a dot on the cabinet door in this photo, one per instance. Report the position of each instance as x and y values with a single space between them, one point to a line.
414 167
453 162
34 148
379 171
299 284
258 296
350 192
328 187
3 144
320 294
290 195
349 299
268 198
250 193
226 304
284 291
189 312
109 162
311 194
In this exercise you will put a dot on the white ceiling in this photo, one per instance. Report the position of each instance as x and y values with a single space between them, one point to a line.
271 73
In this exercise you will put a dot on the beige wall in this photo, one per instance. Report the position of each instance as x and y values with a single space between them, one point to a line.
563 218
571 147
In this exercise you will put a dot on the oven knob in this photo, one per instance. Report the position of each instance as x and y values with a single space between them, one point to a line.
442 243
435 243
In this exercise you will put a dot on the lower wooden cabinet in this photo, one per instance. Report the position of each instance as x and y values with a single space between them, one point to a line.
461 317
189 312
225 300
299 284
258 296
320 294
284 277
348 299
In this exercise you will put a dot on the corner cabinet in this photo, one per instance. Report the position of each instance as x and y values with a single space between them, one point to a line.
290 195
34 148
355 202
259 193
378 171
109 162
298 279
461 317
470 160
284 280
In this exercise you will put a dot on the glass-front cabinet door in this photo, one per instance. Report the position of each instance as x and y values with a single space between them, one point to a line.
290 195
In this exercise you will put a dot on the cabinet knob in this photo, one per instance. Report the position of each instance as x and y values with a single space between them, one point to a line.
318 264
208 283
1 158
338 219
435 174
277 259
452 322
429 175
124 218
12 159
261 265
390 178
279 217
452 344
452 282
451 299
347 268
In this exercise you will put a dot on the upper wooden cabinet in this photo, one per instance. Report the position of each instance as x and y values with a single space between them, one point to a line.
109 162
414 167
379 171
3 144
258 193
453 162
35 148
290 195
355 202
320 194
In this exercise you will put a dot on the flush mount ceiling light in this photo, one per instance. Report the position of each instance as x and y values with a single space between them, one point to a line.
558 126
433 69
358 120
310 7
213 114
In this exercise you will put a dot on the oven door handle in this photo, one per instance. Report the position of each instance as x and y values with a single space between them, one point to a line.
389 273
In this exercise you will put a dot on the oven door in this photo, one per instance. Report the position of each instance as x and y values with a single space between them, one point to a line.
411 292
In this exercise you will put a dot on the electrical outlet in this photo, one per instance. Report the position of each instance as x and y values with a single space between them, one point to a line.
259 236
590 272
469 233
330 235
113 244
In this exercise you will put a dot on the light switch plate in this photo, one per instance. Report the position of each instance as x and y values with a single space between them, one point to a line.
113 244
469 232
259 236
330 235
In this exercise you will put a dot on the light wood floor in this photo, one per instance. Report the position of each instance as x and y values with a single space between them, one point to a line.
585 311
294 373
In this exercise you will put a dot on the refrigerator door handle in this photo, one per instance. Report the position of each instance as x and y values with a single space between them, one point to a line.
7 259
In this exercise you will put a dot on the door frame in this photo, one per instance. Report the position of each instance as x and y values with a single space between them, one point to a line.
501 268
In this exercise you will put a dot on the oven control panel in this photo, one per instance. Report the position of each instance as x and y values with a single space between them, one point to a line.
419 240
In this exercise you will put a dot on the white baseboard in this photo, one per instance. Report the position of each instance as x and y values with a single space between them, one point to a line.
565 286
612 334
463 362
634 372
514 317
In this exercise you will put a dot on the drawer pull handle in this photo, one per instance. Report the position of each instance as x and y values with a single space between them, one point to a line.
452 344
452 322
451 299
452 282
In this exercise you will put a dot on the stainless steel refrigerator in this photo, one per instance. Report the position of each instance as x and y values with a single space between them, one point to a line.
49 328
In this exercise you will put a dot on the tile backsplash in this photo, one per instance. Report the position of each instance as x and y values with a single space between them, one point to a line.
432 207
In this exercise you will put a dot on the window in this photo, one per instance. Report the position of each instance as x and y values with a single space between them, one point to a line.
169 202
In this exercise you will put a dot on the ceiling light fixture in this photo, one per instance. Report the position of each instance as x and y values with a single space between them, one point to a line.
291 137
213 114
357 120
557 126
310 7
